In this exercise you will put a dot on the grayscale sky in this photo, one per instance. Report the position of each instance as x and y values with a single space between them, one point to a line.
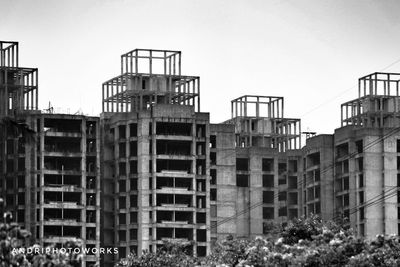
310 52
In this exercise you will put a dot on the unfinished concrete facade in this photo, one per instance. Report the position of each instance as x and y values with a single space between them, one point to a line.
50 163
153 169
155 155
359 164
255 168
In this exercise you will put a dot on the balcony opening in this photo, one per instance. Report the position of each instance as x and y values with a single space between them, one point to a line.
72 215
91 182
90 216
170 128
133 234
282 196
201 235
242 164
52 231
360 146
72 197
268 213
200 217
164 233
182 233
71 231
360 164
122 186
133 217
185 183
268 197
201 202
200 148
62 164
282 180
292 182
213 174
175 148
200 167
90 128
133 167
201 251
133 201
90 233
200 130
282 212
62 125
163 216
52 197
52 214
292 213
242 180
268 180
133 129
213 158
122 168
201 185
72 180
165 182
342 150
184 217
122 131
292 198
53 180
213 194
292 166
165 199
313 160
282 167
174 165
62 145
122 202
213 141
133 148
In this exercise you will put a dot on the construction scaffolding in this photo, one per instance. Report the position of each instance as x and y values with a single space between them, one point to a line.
18 86
378 102
149 77
260 121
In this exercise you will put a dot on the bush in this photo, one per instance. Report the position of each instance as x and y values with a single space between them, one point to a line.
12 243
303 242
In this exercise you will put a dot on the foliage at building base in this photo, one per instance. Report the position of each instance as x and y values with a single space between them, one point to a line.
15 252
303 242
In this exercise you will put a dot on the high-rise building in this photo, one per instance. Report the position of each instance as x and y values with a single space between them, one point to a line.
49 163
155 156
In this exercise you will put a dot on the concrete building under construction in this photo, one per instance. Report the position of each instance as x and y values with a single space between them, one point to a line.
49 163
152 168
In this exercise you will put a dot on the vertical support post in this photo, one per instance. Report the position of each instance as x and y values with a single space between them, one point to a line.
198 97
174 64
36 90
136 62
179 63
150 62
165 63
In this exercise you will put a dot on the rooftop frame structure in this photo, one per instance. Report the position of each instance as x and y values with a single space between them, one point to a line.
150 77
18 86
253 106
151 61
379 83
378 102
8 54
260 121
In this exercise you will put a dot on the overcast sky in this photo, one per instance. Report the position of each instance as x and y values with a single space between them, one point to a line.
310 52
